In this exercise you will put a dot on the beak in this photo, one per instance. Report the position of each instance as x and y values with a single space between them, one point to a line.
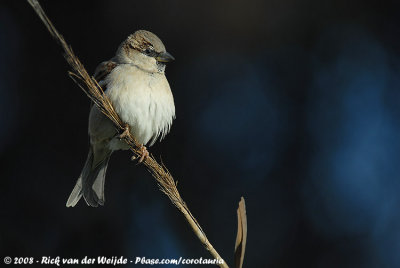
165 57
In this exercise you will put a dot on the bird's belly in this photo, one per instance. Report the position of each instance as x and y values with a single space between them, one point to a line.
145 105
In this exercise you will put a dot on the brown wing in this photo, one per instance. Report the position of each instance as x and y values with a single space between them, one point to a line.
104 69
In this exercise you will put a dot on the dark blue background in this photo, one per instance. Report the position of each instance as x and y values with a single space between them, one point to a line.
292 104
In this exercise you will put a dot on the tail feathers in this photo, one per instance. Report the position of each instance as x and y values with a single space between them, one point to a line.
93 190
76 194
90 183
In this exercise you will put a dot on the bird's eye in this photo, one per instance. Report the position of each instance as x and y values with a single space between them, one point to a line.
149 50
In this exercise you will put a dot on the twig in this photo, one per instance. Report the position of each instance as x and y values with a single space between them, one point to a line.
92 89
241 237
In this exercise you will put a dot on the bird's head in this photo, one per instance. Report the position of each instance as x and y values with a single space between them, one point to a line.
145 50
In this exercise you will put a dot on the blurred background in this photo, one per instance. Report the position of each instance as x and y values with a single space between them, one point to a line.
292 104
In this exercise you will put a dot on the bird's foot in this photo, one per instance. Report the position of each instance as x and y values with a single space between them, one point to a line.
144 154
125 133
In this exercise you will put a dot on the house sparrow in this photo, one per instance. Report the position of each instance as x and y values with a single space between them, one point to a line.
135 82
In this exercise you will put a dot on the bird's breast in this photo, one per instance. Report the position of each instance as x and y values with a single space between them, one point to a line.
143 100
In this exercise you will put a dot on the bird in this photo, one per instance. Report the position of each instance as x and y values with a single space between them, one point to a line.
134 80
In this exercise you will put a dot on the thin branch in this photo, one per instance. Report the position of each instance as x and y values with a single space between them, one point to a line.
92 89
241 237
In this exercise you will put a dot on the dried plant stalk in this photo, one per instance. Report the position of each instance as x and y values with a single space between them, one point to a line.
241 237
92 89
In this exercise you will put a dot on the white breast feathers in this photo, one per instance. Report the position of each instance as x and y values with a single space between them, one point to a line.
143 100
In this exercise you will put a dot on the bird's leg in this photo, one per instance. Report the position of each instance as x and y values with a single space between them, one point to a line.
144 153
125 133
143 149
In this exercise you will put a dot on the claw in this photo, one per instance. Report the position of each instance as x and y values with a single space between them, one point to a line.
144 154
125 133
